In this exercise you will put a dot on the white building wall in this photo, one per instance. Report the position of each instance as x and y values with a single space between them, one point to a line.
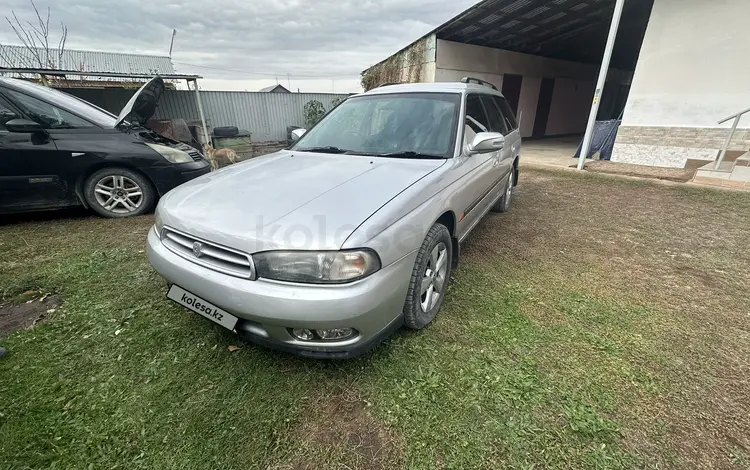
693 70
574 82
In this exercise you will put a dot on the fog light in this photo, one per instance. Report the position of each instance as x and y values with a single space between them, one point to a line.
336 333
303 334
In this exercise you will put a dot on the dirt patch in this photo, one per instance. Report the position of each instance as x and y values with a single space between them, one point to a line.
338 431
32 309
680 175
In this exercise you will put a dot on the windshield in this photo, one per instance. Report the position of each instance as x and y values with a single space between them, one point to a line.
75 105
408 125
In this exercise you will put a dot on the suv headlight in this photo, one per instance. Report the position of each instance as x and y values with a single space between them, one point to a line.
172 155
316 267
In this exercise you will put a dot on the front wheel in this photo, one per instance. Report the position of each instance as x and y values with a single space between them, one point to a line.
118 192
503 205
429 279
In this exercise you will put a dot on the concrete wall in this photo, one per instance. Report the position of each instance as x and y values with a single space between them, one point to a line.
693 70
414 63
574 82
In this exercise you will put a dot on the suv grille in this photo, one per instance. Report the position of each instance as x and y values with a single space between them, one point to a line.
209 255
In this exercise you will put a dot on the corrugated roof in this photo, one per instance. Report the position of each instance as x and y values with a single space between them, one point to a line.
573 30
87 61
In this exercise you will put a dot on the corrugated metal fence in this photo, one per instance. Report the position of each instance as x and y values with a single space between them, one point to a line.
265 115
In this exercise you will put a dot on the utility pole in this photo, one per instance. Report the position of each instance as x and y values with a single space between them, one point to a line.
589 135
289 81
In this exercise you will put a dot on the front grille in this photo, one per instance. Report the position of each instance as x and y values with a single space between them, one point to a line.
196 155
208 254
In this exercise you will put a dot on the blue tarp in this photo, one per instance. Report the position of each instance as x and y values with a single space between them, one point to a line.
605 133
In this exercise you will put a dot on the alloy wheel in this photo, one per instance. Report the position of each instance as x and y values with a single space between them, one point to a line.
433 280
118 194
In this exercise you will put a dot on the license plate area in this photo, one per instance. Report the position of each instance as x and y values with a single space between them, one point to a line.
202 307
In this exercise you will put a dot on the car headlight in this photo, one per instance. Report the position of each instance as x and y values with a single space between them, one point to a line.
158 222
316 267
172 155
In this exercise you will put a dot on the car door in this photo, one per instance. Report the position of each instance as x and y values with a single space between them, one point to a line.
478 168
502 158
45 174
24 181
513 137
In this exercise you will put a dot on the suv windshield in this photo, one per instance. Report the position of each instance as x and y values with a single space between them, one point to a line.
75 105
405 125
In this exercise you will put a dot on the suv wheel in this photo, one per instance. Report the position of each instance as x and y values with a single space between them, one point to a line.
503 205
429 279
118 192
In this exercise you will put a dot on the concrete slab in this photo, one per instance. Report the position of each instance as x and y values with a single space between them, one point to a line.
556 152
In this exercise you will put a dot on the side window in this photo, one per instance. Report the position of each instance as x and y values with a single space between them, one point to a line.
497 123
508 115
476 119
48 115
6 113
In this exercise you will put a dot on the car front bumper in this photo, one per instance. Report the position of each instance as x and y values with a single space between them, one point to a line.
168 177
267 309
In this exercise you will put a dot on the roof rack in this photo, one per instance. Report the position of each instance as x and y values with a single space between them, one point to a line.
478 81
387 84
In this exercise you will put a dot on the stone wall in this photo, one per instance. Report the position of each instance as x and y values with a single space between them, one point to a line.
673 146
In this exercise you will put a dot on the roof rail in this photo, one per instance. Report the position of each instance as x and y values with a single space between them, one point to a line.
478 81
387 84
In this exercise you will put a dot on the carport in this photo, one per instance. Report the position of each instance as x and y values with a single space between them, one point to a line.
544 55
44 73
554 95
604 33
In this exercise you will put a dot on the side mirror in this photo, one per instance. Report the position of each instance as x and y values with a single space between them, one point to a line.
486 142
23 126
297 133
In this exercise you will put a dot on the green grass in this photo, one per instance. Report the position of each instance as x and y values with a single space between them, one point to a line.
570 338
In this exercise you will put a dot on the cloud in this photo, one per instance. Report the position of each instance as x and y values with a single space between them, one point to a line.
314 41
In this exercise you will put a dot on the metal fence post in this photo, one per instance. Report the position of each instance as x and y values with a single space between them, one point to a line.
200 111
588 136
723 152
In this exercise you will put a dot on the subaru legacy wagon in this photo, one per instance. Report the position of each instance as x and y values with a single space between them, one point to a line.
329 246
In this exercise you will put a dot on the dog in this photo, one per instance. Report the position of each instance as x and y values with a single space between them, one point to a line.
220 157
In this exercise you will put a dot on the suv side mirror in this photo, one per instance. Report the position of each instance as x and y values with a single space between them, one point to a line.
297 133
23 126
486 142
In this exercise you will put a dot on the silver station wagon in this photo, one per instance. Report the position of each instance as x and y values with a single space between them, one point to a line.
329 246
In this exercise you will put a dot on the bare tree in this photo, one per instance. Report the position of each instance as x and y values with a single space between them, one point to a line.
36 39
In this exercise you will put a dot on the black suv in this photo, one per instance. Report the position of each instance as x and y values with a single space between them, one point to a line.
57 151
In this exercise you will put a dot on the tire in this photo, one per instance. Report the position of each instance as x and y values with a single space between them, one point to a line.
226 131
117 192
419 310
503 205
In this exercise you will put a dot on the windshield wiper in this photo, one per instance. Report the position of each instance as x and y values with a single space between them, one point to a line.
327 149
409 154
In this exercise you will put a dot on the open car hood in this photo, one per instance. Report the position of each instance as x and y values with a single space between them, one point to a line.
142 105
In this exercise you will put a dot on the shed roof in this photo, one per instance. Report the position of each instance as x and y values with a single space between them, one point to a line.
274 89
87 61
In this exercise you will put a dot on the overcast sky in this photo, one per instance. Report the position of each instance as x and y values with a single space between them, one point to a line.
323 44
